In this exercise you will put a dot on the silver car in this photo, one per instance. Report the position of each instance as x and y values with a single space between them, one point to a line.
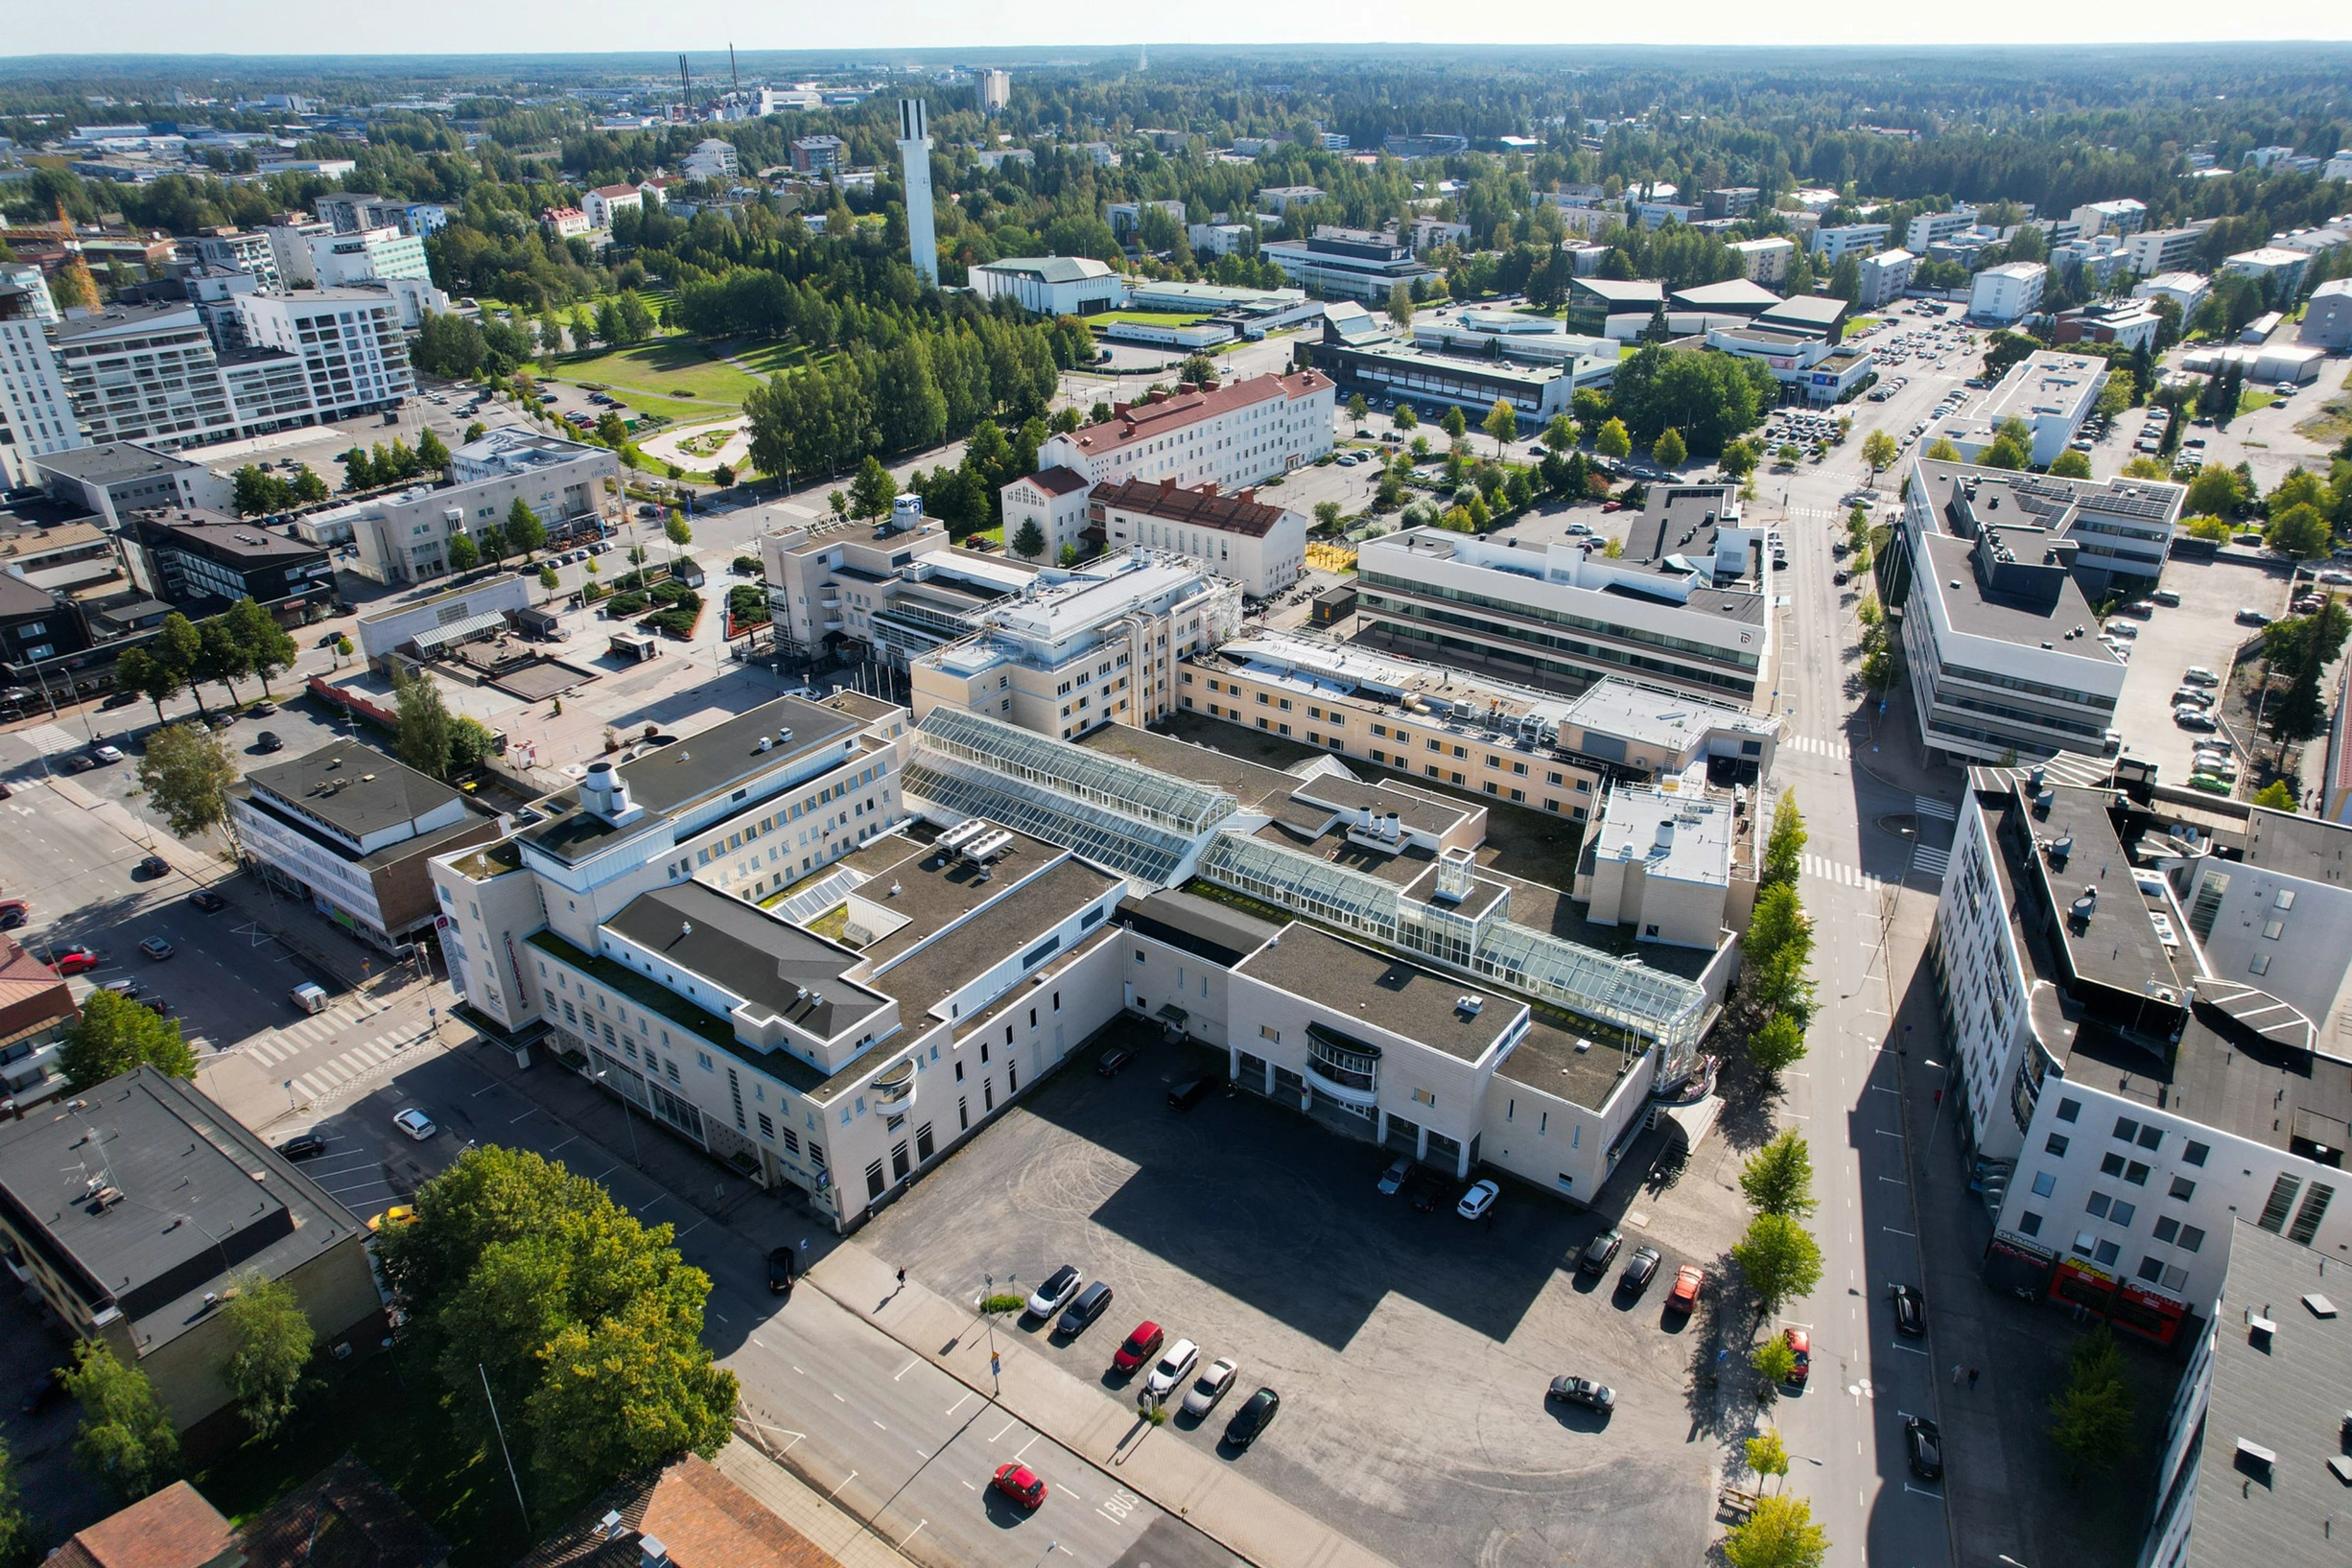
1174 1367
1210 1387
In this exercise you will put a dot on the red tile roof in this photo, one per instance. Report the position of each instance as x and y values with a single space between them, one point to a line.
174 1527
1058 480
1204 508
616 192
1131 422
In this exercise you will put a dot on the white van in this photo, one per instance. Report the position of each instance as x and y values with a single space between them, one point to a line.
310 997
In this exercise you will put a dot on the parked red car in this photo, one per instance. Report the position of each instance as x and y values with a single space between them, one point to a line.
75 960
1688 1280
1141 1347
1021 1484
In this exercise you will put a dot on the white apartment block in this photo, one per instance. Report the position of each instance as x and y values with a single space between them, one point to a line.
145 373
348 340
2186 290
2050 393
2277 269
37 414
1929 228
342 261
291 252
899 591
2125 216
604 201
1263 548
2009 292
233 250
1884 274
1233 435
2155 250
1765 260
713 158
1834 245
405 537
2127 1092
1078 650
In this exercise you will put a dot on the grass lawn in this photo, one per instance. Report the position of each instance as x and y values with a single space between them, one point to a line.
768 359
405 1437
673 376
1147 318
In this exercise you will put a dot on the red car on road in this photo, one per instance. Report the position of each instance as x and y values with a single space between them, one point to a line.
75 960
1688 1280
1021 1484
1802 1343
1141 1347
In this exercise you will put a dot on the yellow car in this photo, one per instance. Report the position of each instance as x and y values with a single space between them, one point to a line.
398 1213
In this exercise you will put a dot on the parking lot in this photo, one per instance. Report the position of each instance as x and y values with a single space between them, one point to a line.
2202 629
1412 1350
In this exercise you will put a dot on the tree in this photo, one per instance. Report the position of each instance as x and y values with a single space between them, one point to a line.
1779 1533
2299 532
585 1323
1738 459
423 734
21 1536
2071 465
549 580
1401 304
1199 369
1766 1455
2276 795
475 431
342 650
472 743
1778 1259
140 670
723 476
464 554
1784 850
2091 1417
1775 1360
1613 441
1029 540
872 491
220 657
1501 424
2005 453
1775 951
309 488
1453 423
1358 409
522 529
678 531
270 1342
432 452
269 647
1404 418
114 1035
1668 451
1879 452
359 470
2214 493
1776 1045
258 491
1778 1177
126 1438
2300 712
1326 515
1941 450
187 773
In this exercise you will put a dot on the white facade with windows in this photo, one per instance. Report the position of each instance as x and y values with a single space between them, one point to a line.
37 414
1242 433
2009 292
1832 245
348 340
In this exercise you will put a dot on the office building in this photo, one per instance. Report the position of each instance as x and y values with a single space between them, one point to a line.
348 343
1051 284
36 1006
2051 394
2131 324
37 415
1765 260
1348 263
2122 527
887 596
1263 548
1927 229
2122 1100
1538 749
203 562
1808 369
1240 434
1607 308
1831 245
1471 361
404 537
2252 1467
2157 250
115 479
2278 269
607 201
2186 290
819 154
1884 274
349 831
2121 217
2326 320
131 1209
1664 863
2008 293
1685 606
1817 316
1077 649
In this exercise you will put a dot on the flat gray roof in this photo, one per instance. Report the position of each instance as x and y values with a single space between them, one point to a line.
953 959
758 956
173 1156
1971 610
352 787
111 462
1383 991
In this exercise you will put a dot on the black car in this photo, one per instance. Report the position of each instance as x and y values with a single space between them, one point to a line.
268 740
1639 1269
1599 1253
154 866
1910 1310
1924 1446
1091 1303
780 1271
157 1005
212 903
303 1146
43 1394
1585 1391
1252 1418
1427 1191
1113 1060
1190 1093
122 699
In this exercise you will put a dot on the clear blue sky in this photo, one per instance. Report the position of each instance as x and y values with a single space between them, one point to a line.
468 27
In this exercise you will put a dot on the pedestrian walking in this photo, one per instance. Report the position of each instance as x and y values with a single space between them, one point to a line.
1958 1370
902 1279
1972 1377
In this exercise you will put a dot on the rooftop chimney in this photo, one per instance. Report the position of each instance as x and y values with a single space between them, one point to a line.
651 1552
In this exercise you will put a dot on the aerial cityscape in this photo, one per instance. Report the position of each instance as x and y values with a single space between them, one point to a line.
1174 804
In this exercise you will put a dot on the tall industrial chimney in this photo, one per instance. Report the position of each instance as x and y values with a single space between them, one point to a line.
915 163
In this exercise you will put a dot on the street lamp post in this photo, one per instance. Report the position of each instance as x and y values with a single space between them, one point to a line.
633 1157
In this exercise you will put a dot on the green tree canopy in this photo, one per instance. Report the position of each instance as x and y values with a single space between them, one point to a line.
186 773
432 452
1781 1533
2213 493
1778 1259
472 743
871 492
114 1035
2071 465
1029 540
1778 1177
464 554
1453 423
1776 949
1777 1044
1784 848
1613 439
1766 1455
269 647
22 1538
2299 532
1668 450
1501 424
2091 1417
424 735
2277 795
126 1440
270 1342
523 531
140 670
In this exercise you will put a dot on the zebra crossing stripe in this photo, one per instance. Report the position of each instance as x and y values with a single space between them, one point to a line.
1929 807
49 740
1934 862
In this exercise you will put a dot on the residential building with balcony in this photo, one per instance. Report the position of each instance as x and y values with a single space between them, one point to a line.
1765 260
1884 274
145 374
348 343
2186 290
37 414
1832 243
2158 250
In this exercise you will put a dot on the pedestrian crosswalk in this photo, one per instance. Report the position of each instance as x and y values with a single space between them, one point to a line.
271 1051
1814 746
1833 871
49 739
1928 808
1926 861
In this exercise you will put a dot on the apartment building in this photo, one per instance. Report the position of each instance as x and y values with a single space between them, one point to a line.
2051 394
606 202
349 831
37 415
819 154
2152 251
404 537
145 374
713 158
1884 274
2279 271
2326 321
2009 293
239 250
1684 607
1765 260
1929 228
2186 290
348 341
1349 263
900 591
2124 1098
192 558
2123 216
1077 649
1234 435
1834 243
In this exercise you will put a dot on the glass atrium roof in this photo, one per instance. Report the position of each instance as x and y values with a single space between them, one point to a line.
1130 847
1162 799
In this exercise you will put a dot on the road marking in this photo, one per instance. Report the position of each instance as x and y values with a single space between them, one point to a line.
1914 1350
802 1374
1909 1488
969 1486
1896 1180
1883 1132
844 1481
960 1403
838 1398
761 1342
909 1367
912 1533
878 1425
1008 1427
1025 1448
1892 1231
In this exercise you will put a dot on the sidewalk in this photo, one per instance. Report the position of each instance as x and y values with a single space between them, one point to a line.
1238 1514
777 1490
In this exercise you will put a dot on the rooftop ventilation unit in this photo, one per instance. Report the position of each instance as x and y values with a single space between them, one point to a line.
987 847
962 833
1469 1004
